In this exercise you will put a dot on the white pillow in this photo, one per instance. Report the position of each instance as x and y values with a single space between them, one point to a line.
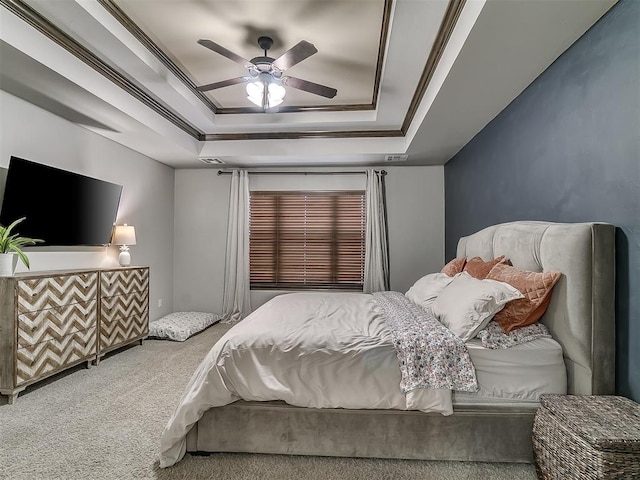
467 304
426 289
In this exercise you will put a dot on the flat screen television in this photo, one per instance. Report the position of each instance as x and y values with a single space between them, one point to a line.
62 208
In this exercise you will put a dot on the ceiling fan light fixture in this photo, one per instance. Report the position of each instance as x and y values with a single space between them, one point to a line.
276 94
255 92
274 103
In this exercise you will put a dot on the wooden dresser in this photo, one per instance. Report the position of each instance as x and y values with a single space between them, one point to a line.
51 321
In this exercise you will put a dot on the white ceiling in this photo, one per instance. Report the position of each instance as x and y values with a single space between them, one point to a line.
127 69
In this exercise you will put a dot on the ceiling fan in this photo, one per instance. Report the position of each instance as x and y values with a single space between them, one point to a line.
265 80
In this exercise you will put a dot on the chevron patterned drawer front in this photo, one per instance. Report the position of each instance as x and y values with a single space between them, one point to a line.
123 282
124 307
123 318
49 292
36 360
54 323
118 331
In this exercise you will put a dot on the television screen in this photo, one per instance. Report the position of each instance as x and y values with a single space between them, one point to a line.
61 208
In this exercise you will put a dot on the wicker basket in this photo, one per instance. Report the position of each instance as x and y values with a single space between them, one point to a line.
587 437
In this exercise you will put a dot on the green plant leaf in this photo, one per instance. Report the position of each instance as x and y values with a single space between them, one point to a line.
10 227
22 257
9 242
21 241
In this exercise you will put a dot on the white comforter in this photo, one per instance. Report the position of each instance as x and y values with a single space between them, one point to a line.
321 350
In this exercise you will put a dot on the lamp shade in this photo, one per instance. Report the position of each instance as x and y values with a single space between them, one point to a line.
276 94
124 235
273 88
255 92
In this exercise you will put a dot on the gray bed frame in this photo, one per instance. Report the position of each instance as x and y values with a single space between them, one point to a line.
580 317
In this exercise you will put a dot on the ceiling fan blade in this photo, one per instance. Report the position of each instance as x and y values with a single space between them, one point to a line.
310 87
295 55
225 53
223 83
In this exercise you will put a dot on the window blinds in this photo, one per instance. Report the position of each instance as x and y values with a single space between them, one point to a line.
304 240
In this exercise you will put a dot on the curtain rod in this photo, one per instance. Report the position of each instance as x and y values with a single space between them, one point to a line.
352 172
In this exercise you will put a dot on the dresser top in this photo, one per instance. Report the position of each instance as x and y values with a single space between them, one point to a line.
49 273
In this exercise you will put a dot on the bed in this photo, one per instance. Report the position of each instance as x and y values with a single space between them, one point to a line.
462 426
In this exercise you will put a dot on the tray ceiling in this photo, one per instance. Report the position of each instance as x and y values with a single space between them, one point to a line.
398 66
347 59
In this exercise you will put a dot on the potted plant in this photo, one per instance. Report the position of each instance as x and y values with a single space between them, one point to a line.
11 245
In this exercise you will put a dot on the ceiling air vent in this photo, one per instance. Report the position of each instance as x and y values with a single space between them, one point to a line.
396 158
212 161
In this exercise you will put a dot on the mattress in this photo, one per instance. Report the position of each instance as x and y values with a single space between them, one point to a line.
516 374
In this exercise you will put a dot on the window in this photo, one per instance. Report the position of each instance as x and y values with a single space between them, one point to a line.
307 240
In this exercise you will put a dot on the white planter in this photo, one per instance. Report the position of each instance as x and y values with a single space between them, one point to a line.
8 262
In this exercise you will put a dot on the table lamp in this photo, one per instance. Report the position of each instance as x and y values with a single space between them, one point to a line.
124 235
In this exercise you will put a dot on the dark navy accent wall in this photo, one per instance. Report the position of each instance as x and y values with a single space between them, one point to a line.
568 150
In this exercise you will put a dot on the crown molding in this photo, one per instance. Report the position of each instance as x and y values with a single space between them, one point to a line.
451 16
303 134
44 26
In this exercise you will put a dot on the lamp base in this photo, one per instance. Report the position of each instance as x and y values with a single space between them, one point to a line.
124 259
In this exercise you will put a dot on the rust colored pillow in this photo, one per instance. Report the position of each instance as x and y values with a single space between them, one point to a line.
537 289
478 268
454 267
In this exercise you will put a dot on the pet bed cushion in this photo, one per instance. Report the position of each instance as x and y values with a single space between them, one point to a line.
179 326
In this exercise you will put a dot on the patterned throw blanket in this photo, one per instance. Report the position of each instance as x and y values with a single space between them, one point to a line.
494 337
430 355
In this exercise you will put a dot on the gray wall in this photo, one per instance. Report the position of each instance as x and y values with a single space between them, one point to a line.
568 150
29 132
416 227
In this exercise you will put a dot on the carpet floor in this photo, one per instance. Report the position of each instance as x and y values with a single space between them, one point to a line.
105 423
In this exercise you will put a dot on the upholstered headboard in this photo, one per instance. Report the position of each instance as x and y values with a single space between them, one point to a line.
581 313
